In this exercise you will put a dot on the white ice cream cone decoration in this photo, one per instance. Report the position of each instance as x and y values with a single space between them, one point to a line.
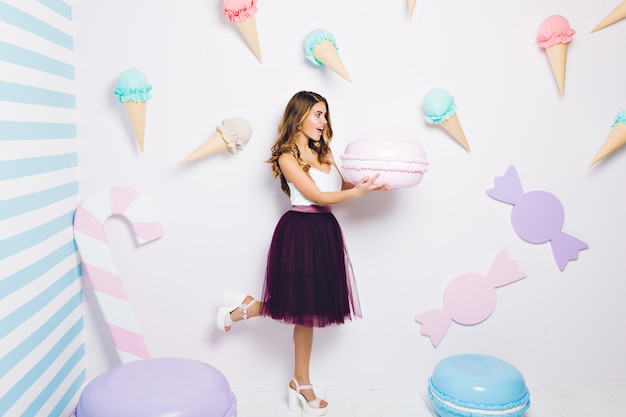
616 15
615 140
231 135
242 13
215 144
554 36
134 91
321 49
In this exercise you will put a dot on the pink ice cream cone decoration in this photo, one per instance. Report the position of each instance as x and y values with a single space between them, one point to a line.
554 36
469 298
616 15
241 12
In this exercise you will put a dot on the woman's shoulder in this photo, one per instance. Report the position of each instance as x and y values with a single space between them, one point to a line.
290 152
330 157
287 155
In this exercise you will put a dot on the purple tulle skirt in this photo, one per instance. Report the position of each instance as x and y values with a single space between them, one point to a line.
309 278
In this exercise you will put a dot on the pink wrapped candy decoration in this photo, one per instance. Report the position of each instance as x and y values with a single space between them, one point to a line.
400 163
469 298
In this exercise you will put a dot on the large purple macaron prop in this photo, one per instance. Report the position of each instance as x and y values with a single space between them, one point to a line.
163 387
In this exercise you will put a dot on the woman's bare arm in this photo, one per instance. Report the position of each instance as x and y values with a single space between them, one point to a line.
295 174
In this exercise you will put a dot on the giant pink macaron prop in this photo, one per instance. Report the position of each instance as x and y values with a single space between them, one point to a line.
400 163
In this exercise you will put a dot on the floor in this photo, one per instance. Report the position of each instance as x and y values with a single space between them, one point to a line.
546 401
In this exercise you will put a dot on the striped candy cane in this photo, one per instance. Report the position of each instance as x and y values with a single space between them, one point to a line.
100 267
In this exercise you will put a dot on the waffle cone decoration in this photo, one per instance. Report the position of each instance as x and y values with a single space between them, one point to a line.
249 32
326 53
554 36
557 55
454 129
411 4
616 15
137 114
242 13
215 144
615 140
321 49
231 135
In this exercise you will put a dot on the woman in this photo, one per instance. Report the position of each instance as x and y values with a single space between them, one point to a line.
309 281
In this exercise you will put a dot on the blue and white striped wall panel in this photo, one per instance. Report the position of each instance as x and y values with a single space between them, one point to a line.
41 342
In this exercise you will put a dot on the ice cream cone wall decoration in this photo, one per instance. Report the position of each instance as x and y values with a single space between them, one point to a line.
440 108
554 36
134 91
231 135
616 15
321 49
241 12
616 138
411 5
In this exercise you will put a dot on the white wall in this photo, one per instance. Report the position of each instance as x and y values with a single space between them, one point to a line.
219 213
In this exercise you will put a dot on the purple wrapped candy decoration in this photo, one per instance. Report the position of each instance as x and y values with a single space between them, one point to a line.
161 387
537 217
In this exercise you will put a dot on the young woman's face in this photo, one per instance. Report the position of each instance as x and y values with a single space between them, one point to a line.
315 121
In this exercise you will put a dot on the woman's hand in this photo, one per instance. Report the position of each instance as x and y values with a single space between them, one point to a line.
367 184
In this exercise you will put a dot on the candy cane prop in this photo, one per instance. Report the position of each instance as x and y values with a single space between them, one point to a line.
100 267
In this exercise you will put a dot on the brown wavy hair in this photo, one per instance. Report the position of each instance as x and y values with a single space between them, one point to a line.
296 111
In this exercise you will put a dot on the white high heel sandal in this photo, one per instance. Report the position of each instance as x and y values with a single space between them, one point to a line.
310 408
233 301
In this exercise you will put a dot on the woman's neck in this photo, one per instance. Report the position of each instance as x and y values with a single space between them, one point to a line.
301 141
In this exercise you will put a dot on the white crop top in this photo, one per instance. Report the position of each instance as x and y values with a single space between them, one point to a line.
325 182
